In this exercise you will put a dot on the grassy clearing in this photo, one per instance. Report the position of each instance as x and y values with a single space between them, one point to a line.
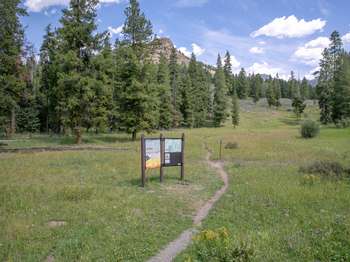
108 217
268 206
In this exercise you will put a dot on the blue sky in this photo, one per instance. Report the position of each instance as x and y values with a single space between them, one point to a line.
263 36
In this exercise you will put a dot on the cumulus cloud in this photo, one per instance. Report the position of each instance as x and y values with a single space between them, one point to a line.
116 30
39 5
196 49
346 38
290 27
185 51
256 50
266 69
311 52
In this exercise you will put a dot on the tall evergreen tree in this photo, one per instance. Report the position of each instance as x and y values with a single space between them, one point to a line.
219 105
78 41
48 81
242 85
277 90
329 65
270 93
135 111
235 110
228 73
137 29
304 89
256 87
187 97
11 64
175 86
341 98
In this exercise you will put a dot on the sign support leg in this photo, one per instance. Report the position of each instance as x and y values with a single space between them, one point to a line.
161 157
183 157
143 175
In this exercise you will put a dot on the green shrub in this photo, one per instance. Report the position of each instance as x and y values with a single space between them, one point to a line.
309 129
231 145
326 169
216 245
343 123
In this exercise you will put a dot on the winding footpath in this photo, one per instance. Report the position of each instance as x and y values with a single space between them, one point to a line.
184 240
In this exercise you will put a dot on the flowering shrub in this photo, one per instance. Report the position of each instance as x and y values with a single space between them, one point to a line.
216 245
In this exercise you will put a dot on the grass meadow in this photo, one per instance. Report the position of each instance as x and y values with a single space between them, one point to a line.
106 216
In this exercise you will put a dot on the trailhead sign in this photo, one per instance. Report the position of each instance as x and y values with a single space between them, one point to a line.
161 152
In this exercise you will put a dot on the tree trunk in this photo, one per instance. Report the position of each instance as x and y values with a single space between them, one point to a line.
134 133
78 135
13 121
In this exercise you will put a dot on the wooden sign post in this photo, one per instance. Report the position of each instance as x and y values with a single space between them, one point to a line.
162 152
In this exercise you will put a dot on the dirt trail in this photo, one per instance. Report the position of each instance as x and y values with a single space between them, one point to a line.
174 248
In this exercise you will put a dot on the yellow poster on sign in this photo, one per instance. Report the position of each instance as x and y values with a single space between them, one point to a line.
152 153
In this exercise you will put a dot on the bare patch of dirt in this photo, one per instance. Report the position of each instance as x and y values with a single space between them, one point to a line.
54 224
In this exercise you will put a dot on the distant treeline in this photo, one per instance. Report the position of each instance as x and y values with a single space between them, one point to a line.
83 82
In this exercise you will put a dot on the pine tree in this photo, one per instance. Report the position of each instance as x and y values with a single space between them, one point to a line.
324 88
341 98
175 86
270 93
11 66
219 105
135 112
329 65
256 87
76 83
242 85
48 81
103 71
187 97
277 90
166 109
304 89
235 110
228 73
137 29
298 106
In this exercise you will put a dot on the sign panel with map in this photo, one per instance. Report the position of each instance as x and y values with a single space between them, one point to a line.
173 152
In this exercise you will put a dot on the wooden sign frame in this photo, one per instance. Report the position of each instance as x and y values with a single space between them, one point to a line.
163 163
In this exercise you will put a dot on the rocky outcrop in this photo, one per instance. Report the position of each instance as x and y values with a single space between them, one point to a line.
164 46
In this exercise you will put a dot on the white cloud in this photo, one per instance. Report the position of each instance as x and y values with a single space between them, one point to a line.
346 38
39 5
185 51
290 27
262 43
311 52
265 68
197 50
256 50
116 30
